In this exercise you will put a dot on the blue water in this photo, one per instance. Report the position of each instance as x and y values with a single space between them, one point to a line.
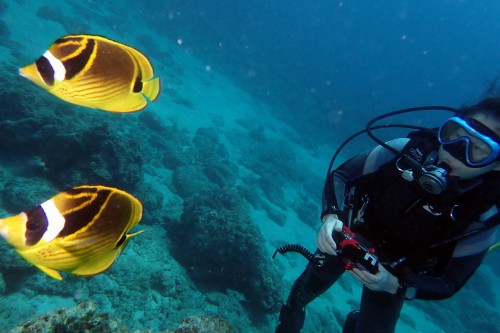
256 96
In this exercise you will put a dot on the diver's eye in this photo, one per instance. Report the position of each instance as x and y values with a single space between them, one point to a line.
459 133
454 136
479 151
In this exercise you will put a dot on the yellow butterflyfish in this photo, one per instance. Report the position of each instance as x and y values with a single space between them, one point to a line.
95 72
81 230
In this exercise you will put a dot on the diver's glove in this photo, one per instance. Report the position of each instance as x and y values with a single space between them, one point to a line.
325 241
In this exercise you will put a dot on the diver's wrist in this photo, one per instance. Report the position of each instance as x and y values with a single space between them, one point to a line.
406 291
329 210
327 217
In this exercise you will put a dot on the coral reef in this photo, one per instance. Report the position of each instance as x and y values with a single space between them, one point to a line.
202 324
68 145
215 239
209 169
189 180
275 167
308 211
83 318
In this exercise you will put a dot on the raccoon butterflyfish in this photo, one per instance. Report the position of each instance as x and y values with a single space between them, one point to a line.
95 72
81 230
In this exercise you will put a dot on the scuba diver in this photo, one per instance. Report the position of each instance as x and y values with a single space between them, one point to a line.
412 218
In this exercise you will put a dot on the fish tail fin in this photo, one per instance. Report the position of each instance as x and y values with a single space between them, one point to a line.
151 89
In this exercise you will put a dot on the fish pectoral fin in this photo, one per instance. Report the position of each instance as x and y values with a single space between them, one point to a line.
135 233
122 246
96 266
151 89
50 272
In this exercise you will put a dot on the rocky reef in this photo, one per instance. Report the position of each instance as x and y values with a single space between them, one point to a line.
221 248
202 324
86 318
190 182
83 318
66 145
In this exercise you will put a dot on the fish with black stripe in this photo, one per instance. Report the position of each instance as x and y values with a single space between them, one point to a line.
95 72
81 230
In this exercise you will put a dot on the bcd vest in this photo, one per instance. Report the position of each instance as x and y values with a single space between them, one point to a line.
403 220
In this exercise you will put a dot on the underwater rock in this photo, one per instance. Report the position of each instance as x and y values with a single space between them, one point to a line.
188 180
83 318
204 166
273 190
19 194
173 156
180 100
206 140
152 200
221 248
221 172
153 122
207 146
3 287
203 324
275 215
307 211
167 140
4 34
14 269
69 145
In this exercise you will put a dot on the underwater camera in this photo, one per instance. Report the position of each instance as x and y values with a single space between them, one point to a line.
354 252
350 248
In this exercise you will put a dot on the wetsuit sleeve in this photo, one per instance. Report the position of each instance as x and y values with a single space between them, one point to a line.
334 190
466 259
335 184
457 273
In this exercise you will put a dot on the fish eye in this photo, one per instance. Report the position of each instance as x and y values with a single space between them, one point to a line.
37 220
33 224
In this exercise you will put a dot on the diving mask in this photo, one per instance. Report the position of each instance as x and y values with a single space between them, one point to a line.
470 141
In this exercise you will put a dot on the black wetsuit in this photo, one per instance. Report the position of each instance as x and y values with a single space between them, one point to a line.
400 220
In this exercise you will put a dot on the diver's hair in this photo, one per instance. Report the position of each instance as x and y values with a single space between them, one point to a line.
489 107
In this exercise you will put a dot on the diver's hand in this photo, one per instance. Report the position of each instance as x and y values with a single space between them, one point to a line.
382 281
325 241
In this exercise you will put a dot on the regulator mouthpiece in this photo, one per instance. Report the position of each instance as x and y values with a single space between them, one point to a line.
433 178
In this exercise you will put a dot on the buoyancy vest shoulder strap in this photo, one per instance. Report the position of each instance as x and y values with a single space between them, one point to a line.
421 144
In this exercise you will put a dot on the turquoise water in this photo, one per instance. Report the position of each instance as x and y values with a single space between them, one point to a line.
229 161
